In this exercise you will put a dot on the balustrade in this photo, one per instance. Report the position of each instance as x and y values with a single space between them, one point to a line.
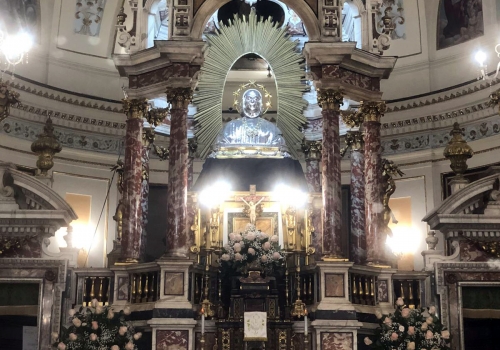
308 286
144 286
94 284
362 289
410 286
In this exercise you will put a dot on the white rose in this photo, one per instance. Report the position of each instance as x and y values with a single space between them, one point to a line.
137 336
72 312
274 238
401 328
98 310
238 257
251 251
368 341
225 257
77 322
231 236
237 247
432 310
400 302
94 303
126 310
237 237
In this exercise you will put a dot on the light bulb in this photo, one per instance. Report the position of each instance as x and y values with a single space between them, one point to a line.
480 57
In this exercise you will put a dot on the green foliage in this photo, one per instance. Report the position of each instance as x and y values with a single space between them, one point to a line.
97 328
410 329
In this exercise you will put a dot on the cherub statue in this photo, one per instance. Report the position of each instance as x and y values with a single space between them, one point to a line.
253 209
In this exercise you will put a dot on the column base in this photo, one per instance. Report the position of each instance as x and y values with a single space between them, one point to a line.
334 282
172 333
333 258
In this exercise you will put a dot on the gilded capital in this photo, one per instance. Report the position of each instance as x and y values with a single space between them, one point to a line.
156 116
354 140
329 99
136 108
8 98
352 119
458 151
179 98
372 111
312 149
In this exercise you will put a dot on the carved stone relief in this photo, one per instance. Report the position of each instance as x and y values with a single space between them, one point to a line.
331 19
88 17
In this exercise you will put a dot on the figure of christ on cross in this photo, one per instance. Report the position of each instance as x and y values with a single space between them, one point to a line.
252 209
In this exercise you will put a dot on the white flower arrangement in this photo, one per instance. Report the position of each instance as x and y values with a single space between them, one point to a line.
252 247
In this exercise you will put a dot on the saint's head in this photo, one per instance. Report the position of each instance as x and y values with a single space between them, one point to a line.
252 104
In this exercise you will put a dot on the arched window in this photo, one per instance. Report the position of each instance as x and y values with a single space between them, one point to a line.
351 23
157 22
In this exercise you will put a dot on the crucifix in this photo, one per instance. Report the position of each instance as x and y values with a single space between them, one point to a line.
253 207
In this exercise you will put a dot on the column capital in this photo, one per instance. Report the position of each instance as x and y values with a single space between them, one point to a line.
330 99
135 108
354 140
8 98
312 149
179 98
156 116
372 111
352 119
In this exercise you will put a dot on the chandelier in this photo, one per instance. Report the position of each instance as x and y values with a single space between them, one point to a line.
14 48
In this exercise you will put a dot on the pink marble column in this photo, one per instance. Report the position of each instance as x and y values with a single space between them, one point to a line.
148 137
375 237
132 178
193 147
312 150
330 101
178 239
354 139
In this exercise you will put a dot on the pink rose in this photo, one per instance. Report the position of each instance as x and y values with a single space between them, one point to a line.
445 334
95 325
129 346
122 330
410 346
115 347
411 330
72 312
276 256
368 341
237 247
432 310
378 314
225 257
424 326
111 314
98 310
237 237
394 336
388 321
405 312
266 246
231 236
251 251
137 336
250 236
264 258
61 346
73 336
77 322
93 337
126 310
274 239
429 320
400 302
238 257
429 335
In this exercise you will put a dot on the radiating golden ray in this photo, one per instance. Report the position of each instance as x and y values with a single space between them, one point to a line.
243 36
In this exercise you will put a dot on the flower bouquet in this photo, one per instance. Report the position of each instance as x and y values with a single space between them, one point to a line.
96 328
252 248
410 329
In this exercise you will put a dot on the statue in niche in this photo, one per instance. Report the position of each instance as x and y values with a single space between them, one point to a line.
250 129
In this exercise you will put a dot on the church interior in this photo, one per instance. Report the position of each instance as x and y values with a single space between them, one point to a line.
249 174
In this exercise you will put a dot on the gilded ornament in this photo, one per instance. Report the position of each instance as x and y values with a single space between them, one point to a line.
119 170
354 141
46 145
156 116
148 137
118 217
179 98
329 99
8 98
312 149
136 108
372 111
389 171
458 151
352 119
161 152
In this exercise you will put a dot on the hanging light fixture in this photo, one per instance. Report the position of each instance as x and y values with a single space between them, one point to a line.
15 48
481 58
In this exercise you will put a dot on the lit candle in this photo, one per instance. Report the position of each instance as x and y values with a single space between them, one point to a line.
202 321
305 324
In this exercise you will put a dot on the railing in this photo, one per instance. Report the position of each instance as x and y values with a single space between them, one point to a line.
94 284
410 286
308 286
362 288
144 286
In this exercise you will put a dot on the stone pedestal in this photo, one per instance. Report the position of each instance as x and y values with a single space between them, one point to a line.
385 287
328 333
174 284
457 183
330 101
334 283
172 333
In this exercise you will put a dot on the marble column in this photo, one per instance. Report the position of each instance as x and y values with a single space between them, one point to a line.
312 150
148 137
354 139
375 237
178 240
132 178
193 147
330 101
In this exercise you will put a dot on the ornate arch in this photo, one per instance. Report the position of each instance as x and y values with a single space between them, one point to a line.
271 43
300 7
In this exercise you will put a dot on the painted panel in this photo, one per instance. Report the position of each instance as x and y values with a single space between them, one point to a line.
334 285
172 340
337 341
458 22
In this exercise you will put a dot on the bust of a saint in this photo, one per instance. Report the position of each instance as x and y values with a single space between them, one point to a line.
250 128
